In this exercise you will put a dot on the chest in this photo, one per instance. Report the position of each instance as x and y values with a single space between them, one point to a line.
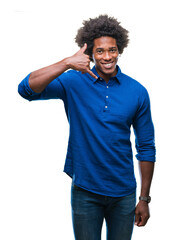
110 101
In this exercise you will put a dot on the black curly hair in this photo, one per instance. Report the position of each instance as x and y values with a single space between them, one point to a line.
99 27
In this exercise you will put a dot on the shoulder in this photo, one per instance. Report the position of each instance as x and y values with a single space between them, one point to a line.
74 79
131 81
134 88
70 75
133 84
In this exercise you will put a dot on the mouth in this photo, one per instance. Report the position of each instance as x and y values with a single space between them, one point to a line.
108 65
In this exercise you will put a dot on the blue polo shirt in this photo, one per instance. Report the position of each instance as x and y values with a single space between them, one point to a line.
99 154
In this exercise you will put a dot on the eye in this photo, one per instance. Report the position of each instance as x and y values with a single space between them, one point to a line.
99 51
113 50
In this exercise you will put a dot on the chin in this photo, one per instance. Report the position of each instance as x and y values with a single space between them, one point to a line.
109 71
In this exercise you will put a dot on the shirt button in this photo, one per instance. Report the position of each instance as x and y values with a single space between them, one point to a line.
107 86
106 96
106 106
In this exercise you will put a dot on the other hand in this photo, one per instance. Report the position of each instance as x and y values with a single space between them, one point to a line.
142 214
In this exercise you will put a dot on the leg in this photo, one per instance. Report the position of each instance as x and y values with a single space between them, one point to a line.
120 218
87 214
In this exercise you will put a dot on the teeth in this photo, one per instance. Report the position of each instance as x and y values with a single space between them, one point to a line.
107 64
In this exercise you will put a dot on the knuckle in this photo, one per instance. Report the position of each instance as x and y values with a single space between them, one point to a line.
146 216
137 212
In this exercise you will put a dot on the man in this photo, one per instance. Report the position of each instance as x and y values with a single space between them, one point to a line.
101 105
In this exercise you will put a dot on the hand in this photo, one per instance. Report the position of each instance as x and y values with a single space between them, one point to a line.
81 62
142 214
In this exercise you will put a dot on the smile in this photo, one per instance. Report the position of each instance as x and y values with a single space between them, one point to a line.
108 65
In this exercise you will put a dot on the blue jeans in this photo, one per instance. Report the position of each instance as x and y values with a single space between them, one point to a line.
90 209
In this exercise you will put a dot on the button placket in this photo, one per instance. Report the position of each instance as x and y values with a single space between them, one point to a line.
106 99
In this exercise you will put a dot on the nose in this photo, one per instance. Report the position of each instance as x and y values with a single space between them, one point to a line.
107 56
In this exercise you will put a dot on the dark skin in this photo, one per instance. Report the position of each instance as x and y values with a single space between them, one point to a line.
105 56
39 79
142 213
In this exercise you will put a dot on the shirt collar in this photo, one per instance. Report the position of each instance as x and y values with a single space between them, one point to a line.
116 77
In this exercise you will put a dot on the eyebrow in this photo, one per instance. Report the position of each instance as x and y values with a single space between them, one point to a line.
103 48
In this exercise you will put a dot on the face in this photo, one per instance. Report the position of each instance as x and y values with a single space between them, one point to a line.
105 56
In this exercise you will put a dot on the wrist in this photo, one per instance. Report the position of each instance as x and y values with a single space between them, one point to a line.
145 199
67 63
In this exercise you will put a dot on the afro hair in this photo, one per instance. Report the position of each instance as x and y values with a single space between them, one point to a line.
99 27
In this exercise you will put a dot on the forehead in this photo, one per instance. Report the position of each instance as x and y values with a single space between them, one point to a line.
105 42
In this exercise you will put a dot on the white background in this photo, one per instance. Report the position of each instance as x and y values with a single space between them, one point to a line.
34 192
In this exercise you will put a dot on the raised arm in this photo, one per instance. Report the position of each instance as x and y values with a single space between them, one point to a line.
39 79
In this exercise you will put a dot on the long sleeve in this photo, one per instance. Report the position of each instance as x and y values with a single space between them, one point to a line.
54 90
144 130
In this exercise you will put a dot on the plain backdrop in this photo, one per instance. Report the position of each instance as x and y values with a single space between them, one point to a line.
34 191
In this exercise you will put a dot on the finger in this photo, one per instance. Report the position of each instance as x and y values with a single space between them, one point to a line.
137 219
91 73
143 221
83 49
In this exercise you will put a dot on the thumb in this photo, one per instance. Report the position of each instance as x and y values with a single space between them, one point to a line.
83 49
137 219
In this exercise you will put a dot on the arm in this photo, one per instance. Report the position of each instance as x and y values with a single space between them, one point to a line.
144 137
142 213
146 173
39 79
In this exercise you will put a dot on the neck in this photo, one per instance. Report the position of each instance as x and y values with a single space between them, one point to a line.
106 77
